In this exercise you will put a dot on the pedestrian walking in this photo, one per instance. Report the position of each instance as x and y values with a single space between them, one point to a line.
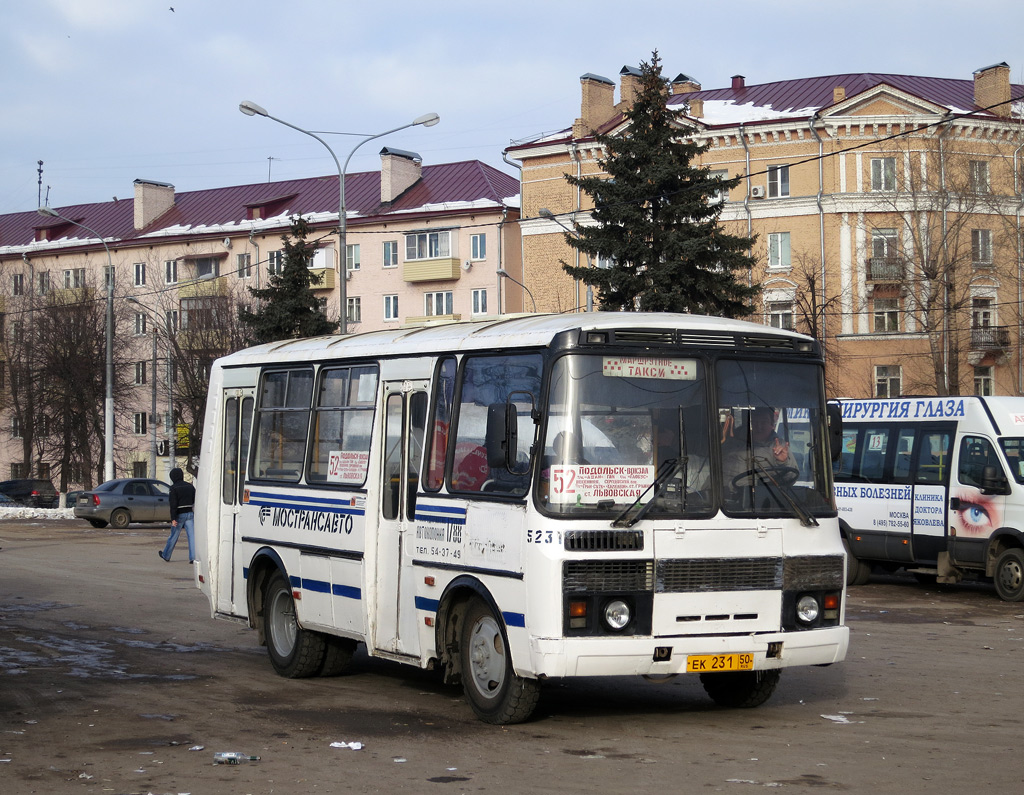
183 499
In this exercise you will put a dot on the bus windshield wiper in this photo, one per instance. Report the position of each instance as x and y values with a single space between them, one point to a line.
806 519
670 468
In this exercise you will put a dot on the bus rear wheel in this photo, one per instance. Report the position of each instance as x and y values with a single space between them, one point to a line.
741 688
294 651
337 655
1009 579
494 691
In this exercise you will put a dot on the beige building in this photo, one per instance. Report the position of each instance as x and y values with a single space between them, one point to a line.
887 211
423 244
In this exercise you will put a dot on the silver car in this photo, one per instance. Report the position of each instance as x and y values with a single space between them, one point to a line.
121 502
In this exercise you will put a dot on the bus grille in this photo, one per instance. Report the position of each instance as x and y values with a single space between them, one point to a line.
604 540
607 575
719 574
813 572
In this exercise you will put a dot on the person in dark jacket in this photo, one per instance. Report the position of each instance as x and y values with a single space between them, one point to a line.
183 498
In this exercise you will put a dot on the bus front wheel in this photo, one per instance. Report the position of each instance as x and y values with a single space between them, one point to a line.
294 651
494 691
740 688
1009 579
857 571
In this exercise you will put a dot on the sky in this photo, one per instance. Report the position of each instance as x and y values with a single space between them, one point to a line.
105 92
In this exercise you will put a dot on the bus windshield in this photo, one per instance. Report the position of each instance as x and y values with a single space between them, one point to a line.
615 424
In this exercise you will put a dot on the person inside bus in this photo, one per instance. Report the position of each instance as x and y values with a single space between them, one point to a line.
759 446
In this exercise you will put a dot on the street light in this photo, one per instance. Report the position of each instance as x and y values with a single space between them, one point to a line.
506 275
108 403
544 212
427 120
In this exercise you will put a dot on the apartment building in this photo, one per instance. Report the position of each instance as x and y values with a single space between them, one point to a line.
424 243
887 212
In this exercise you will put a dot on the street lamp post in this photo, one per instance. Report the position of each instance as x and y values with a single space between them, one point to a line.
108 403
427 120
544 212
504 274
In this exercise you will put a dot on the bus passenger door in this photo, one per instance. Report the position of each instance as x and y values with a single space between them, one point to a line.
931 482
237 419
405 411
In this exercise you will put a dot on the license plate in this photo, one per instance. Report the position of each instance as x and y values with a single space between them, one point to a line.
712 663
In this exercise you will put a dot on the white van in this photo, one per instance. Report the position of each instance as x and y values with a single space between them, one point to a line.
936 486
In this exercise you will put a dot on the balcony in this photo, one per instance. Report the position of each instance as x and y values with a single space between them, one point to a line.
431 270
885 269
322 278
990 338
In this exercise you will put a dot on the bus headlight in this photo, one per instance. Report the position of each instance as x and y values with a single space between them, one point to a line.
807 609
617 615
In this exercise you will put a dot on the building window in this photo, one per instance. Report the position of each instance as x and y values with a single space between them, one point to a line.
479 302
478 244
883 173
984 383
778 181
43 283
887 314
139 423
19 470
16 426
981 312
243 266
979 176
981 246
207 267
140 324
139 469
170 271
390 253
884 264
171 321
355 310
391 307
778 250
275 262
352 257
887 381
603 261
721 195
780 314
427 245
441 303
140 373
203 312
74 278
140 274
18 284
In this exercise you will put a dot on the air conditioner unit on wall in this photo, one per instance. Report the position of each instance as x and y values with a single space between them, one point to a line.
757 191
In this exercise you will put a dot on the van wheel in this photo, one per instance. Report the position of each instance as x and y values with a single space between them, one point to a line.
294 651
1009 579
857 571
741 688
494 691
120 519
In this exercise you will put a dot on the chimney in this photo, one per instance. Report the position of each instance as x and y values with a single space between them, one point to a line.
399 171
737 83
696 108
684 84
152 199
991 87
629 88
838 94
597 105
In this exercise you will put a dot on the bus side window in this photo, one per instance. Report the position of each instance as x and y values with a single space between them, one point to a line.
933 457
444 397
904 454
872 464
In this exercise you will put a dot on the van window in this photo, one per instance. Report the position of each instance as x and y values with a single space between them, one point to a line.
934 460
904 454
1014 450
976 453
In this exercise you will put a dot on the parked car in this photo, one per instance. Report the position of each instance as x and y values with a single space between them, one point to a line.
123 501
33 492
70 498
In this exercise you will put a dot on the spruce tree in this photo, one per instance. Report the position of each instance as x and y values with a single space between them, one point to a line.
657 218
287 308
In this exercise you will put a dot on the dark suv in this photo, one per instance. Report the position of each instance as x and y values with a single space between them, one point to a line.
33 492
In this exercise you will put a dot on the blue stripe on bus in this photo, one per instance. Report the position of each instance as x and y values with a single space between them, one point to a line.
431 605
347 502
317 586
441 513
348 591
344 510
423 603
335 589
514 619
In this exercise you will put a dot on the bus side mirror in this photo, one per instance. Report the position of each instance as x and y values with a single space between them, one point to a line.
993 481
834 414
502 435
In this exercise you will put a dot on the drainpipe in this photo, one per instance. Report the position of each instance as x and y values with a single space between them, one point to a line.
821 214
522 241
746 201
574 156
1019 190
945 245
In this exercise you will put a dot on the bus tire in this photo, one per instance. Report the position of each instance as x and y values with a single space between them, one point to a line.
742 689
294 651
494 691
857 571
1009 576
337 655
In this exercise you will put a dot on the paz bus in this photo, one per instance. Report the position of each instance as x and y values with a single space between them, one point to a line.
935 486
527 498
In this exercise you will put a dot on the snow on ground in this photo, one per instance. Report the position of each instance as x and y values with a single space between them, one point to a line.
17 512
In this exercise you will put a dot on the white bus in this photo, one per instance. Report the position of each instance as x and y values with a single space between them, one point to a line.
525 498
935 486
